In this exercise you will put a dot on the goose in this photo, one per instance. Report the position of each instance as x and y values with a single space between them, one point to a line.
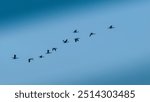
41 56
76 39
76 31
65 41
15 57
111 27
91 34
48 52
54 49
30 59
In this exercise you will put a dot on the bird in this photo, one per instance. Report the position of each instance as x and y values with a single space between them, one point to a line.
48 52
54 49
76 31
30 59
76 39
91 34
65 41
111 27
41 56
15 57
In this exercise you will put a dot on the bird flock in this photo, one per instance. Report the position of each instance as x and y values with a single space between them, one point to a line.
55 49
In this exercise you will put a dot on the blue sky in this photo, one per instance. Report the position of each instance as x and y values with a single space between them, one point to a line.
117 56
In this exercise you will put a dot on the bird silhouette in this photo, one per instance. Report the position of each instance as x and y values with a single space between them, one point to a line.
66 41
30 59
111 27
91 34
76 39
41 56
48 52
76 31
15 57
54 49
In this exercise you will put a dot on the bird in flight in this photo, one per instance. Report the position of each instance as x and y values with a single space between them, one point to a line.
65 41
111 27
41 56
15 57
76 31
91 34
48 52
54 49
30 59
76 39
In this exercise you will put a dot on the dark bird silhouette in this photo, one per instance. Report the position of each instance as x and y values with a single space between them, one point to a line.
111 27
65 41
30 59
15 57
54 49
76 31
91 34
76 39
41 56
48 52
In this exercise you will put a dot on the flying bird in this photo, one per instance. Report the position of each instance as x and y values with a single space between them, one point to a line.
76 39
41 56
48 52
91 34
15 57
30 59
65 41
111 27
76 31
54 49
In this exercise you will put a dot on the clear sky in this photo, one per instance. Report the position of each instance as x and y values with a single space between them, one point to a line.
116 56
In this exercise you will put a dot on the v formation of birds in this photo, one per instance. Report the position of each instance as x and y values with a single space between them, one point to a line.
55 49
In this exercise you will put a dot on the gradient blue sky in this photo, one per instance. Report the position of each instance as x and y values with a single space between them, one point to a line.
118 56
